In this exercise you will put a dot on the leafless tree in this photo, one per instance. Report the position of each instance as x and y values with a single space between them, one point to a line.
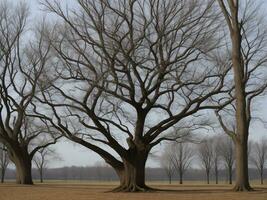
167 164
4 161
206 156
247 36
133 70
21 65
42 159
216 157
182 155
258 156
227 153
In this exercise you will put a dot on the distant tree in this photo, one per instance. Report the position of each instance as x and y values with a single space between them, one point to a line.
4 161
42 159
166 163
181 157
258 156
206 156
216 158
227 153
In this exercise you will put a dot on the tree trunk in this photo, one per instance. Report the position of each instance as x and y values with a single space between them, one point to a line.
216 173
181 178
41 176
170 180
242 123
2 175
132 175
242 181
208 177
230 175
23 169
261 177
23 161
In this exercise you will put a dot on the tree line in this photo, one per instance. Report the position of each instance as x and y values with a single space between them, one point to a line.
213 158
213 155
120 77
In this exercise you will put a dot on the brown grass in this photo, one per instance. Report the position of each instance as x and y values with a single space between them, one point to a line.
99 191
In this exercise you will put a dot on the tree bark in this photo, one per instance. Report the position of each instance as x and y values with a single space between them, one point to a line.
23 168
23 163
242 181
132 175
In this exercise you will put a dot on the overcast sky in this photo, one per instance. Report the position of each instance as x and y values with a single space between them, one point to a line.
74 154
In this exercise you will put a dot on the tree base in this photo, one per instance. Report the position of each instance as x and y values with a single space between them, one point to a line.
132 188
242 188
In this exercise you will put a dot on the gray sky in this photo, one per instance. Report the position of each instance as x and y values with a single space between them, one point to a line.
74 154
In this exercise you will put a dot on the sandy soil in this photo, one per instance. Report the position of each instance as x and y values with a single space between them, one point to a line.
99 191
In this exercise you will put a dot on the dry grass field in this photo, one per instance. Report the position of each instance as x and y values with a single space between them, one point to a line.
100 191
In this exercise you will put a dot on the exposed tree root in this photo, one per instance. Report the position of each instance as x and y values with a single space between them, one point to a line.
242 188
132 188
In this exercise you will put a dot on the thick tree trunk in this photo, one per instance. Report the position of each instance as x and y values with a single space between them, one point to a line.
242 181
23 163
23 168
132 175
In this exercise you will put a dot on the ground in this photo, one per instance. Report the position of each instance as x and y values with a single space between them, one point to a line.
100 191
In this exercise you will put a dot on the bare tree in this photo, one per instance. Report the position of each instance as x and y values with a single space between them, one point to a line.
206 156
216 157
133 70
167 164
258 156
248 59
21 65
4 161
42 159
182 155
227 153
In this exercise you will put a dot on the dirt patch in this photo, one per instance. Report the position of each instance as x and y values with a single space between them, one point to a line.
70 191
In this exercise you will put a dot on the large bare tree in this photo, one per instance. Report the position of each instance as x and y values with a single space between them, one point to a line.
21 65
125 72
258 156
247 36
